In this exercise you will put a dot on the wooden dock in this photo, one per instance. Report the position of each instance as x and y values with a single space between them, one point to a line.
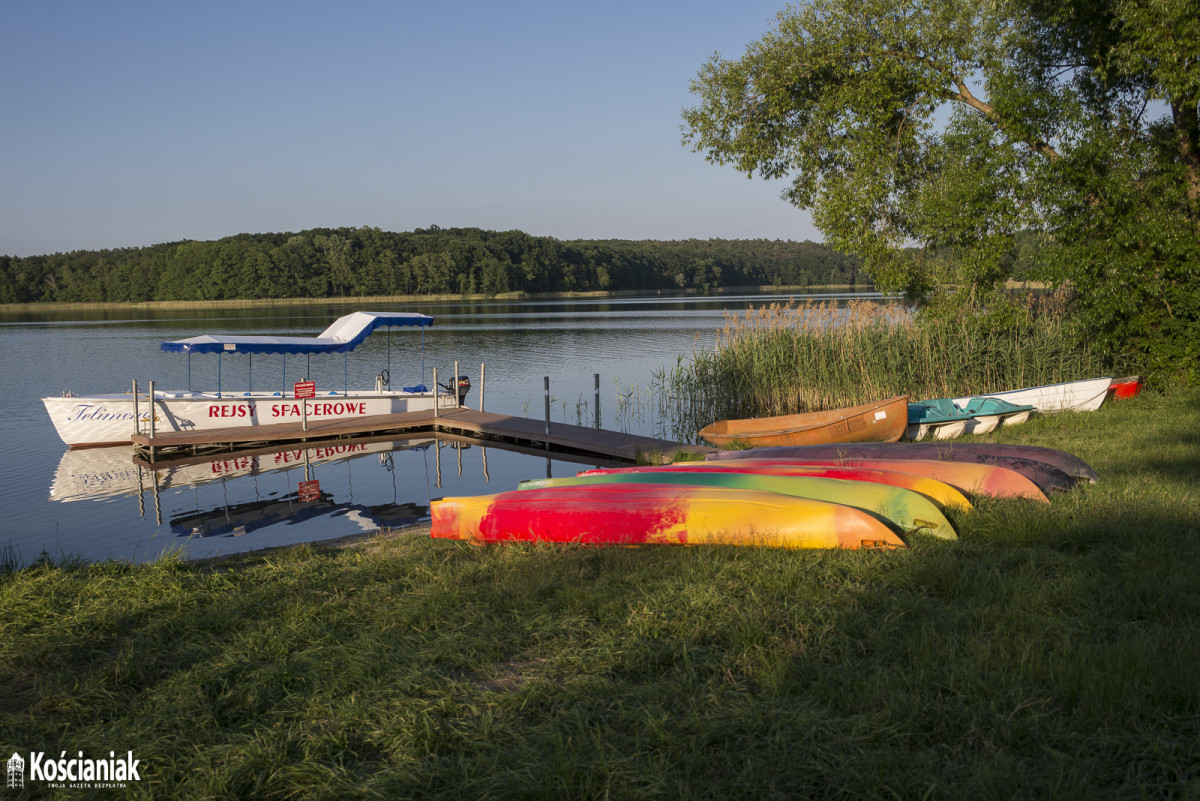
476 425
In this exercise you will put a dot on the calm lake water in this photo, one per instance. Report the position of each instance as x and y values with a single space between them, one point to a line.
95 504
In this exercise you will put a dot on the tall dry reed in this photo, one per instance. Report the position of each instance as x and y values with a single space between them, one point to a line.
785 359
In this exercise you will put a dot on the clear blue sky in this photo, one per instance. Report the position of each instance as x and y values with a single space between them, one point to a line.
133 123
126 124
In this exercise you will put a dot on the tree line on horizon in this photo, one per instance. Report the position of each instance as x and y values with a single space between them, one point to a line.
348 262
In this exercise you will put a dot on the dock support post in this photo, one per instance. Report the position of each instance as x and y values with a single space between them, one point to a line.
597 377
547 382
137 423
437 458
435 395
152 422
481 368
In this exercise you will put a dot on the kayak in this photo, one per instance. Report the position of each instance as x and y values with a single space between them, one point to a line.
1047 477
984 452
969 477
881 421
909 512
635 514
942 494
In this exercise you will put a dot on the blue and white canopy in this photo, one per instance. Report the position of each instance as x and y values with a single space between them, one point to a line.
343 336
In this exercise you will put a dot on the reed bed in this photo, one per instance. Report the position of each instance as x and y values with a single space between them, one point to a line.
787 359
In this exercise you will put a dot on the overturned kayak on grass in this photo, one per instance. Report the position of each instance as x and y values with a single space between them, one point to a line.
981 452
969 477
907 511
942 494
632 514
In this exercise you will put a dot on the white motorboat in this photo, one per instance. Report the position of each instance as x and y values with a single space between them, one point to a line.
91 420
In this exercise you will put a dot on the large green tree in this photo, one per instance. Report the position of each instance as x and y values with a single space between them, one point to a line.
924 136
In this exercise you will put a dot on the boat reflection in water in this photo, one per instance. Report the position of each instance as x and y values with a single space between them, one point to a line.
282 496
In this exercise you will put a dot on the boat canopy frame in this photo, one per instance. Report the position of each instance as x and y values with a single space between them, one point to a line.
343 336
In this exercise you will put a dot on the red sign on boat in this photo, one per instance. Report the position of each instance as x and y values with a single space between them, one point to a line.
305 389
309 490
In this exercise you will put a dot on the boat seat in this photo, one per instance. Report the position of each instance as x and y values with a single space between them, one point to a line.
417 388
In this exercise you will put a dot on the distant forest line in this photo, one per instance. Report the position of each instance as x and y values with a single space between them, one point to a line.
351 262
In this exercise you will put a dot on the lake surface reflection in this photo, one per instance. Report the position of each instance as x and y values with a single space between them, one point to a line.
99 504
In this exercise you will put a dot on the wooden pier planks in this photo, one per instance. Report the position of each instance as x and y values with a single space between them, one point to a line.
462 421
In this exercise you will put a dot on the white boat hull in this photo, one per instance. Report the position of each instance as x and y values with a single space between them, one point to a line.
1074 396
87 421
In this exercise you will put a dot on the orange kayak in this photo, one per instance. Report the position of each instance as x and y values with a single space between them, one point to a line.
969 477
942 494
633 514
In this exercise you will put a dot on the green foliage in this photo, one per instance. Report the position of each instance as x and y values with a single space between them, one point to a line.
925 137
349 262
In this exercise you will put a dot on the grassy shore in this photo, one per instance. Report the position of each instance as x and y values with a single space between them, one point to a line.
1051 652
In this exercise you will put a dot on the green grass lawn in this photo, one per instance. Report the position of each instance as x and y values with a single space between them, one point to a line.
1051 652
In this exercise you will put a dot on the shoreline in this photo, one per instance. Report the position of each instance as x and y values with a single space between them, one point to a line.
236 303
364 539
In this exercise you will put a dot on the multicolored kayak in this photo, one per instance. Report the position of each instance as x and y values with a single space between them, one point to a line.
634 514
942 494
970 477
909 512
983 452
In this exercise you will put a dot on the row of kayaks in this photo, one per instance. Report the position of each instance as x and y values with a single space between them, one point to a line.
868 495
899 418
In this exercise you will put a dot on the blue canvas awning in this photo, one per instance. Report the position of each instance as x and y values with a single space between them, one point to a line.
343 336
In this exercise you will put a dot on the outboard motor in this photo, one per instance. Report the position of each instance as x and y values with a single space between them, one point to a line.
463 385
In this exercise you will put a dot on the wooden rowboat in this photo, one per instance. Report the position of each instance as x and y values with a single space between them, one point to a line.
881 421
632 514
